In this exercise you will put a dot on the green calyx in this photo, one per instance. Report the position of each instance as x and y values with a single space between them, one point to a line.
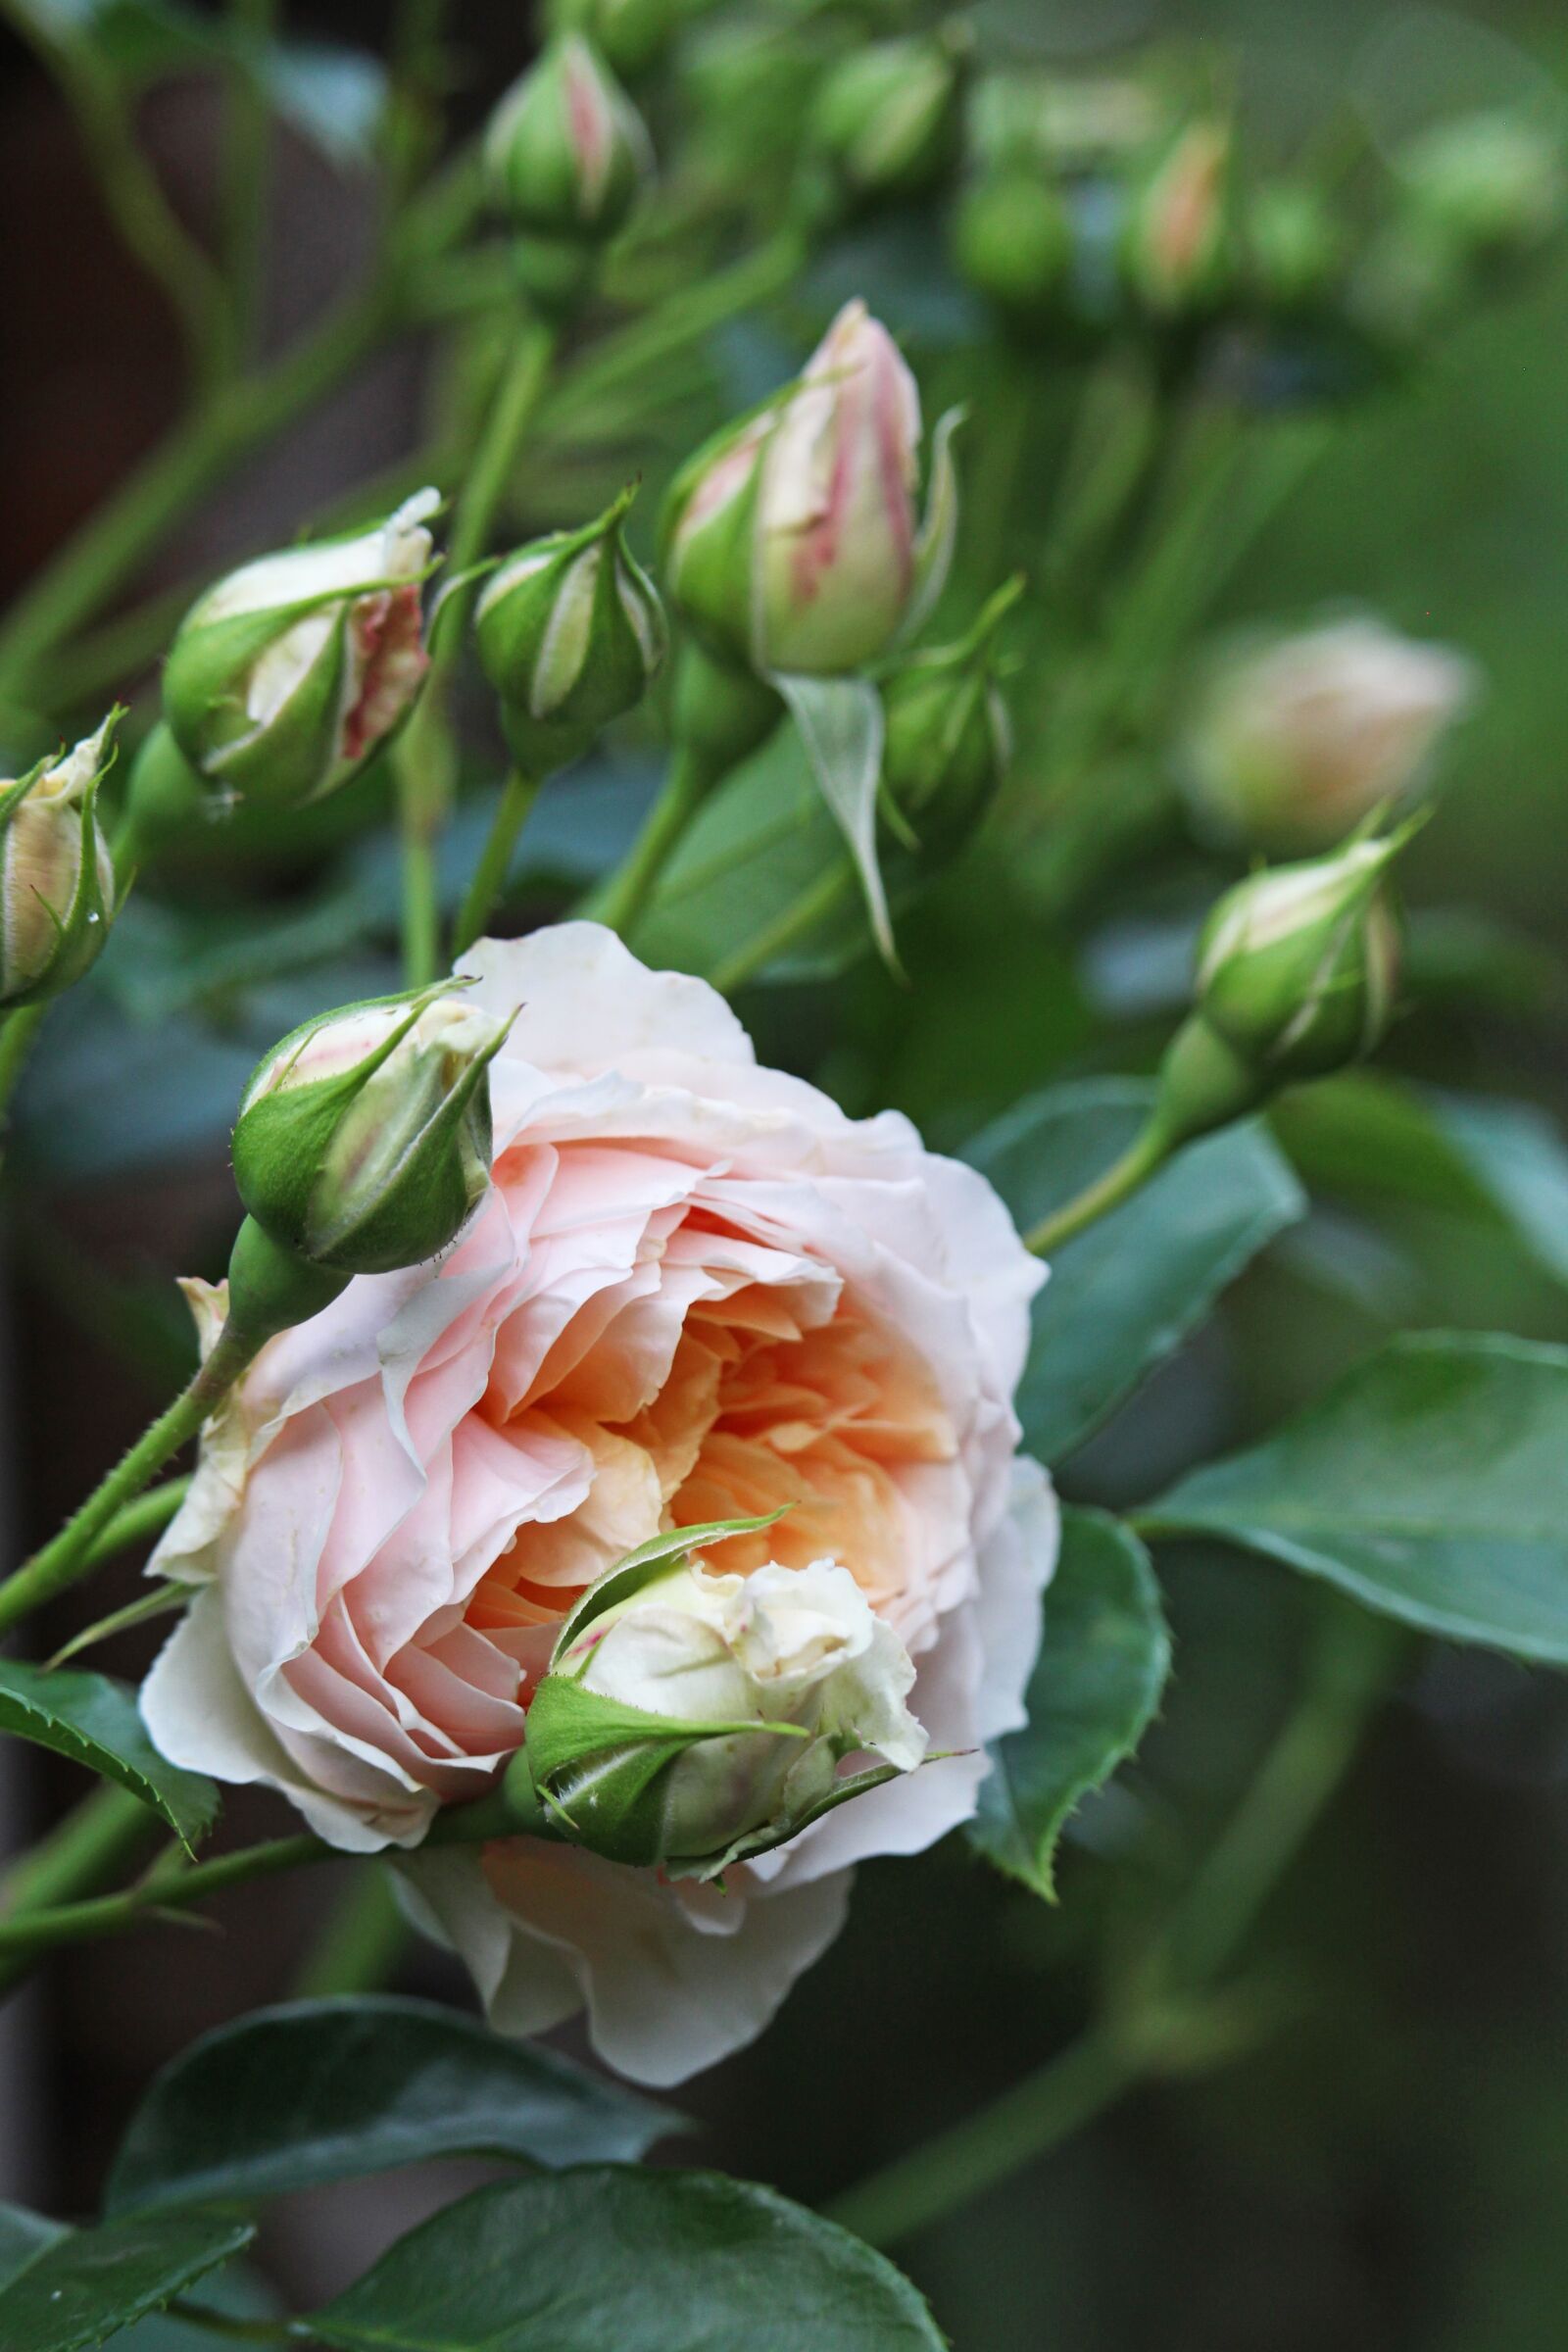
378 1163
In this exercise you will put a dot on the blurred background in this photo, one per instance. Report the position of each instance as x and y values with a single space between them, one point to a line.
1387 2166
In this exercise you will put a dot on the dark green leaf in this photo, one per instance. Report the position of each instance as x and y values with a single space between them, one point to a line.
328 2091
88 2283
1430 1483
607 2260
24 2237
1102 1665
1473 1155
95 1721
1125 1293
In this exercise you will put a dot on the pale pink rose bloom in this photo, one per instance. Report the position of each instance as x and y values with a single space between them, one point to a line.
694 1291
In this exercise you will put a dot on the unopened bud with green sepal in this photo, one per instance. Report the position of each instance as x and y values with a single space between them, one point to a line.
362 1142
567 156
1176 249
691 1719
57 880
884 124
1298 969
285 677
571 632
948 739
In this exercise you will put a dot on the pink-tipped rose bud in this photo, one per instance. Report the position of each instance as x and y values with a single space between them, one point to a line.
1294 739
790 541
567 150
1176 243
57 879
288 674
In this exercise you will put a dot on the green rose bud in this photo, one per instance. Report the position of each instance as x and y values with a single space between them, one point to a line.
1489 184
1296 972
696 1718
57 879
285 678
884 124
566 155
1295 246
1175 241
362 1142
570 630
1012 240
948 740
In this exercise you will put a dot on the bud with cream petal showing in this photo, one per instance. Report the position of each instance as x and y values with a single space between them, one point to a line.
57 879
690 1720
1295 738
884 124
362 1142
285 677
949 738
1296 972
1176 238
571 632
791 542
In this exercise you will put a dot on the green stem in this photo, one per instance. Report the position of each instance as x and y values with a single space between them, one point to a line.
246 156
362 1942
489 882
171 1890
18 1033
147 1516
133 197
423 771
623 898
1144 1156
803 915
67 1555
88 1844
959 2165
190 461
1347 1673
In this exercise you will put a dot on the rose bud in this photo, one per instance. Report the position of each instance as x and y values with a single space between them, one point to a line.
1295 245
1175 242
57 879
1296 972
948 740
288 674
1296 738
885 125
362 1142
1012 240
570 630
566 155
1486 184
702 1718
790 541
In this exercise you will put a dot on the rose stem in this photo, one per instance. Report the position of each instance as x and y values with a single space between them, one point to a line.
421 771
625 896
484 892
1144 1156
1346 1674
799 919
